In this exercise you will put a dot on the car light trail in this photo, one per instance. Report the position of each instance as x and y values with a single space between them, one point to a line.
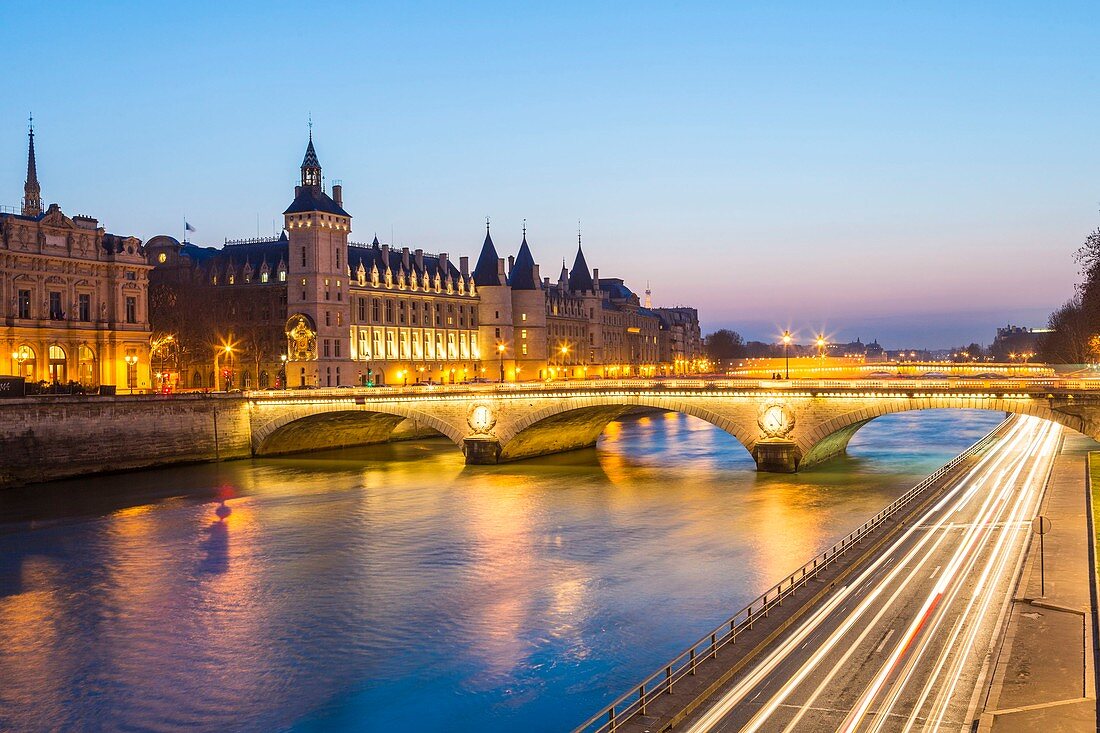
929 611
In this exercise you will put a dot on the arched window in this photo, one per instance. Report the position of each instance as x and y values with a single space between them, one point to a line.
196 380
263 380
58 372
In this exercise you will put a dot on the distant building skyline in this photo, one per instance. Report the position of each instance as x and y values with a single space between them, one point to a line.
916 175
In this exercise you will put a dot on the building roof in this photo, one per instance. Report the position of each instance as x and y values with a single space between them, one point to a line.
522 276
373 255
308 198
580 278
310 159
615 288
486 272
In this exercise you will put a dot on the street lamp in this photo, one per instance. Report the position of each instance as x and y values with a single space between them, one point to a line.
500 350
131 370
282 370
786 355
21 357
821 345
564 355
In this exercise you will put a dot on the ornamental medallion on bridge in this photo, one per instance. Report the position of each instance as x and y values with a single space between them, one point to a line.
301 338
775 421
481 419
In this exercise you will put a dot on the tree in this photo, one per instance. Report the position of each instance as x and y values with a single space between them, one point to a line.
724 345
1075 326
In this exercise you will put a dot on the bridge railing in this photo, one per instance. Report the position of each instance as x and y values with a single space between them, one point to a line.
665 678
903 387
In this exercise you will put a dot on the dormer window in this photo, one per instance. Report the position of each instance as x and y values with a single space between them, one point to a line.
263 276
282 276
231 279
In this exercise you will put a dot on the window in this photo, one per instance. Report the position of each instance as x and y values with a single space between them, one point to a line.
389 311
328 318
523 333
375 311
130 275
413 312
337 266
55 306
497 332
263 276
282 276
497 316
401 312
336 352
525 349
131 309
327 344
231 279
362 309
303 256
84 306
523 316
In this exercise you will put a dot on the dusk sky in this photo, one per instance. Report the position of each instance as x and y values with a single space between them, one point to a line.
915 175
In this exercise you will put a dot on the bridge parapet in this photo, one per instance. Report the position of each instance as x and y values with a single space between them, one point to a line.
785 425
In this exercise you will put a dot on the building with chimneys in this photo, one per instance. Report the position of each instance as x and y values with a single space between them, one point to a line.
74 296
341 313
345 314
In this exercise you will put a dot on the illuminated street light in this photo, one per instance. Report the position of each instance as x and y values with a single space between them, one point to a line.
821 345
500 350
131 370
786 355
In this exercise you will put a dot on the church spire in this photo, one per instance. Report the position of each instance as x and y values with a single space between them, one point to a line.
32 192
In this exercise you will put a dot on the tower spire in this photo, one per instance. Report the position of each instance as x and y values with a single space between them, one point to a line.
311 167
32 192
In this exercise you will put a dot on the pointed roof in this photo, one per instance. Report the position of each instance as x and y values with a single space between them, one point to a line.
522 276
485 271
580 278
32 192
310 161
32 167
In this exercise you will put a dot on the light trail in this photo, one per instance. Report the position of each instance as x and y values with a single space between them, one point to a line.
930 612
962 491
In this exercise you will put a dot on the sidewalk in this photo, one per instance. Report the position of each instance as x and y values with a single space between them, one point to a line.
1044 678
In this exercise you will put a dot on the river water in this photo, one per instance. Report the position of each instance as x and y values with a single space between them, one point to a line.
393 588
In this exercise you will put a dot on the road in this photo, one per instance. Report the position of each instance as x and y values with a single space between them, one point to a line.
907 645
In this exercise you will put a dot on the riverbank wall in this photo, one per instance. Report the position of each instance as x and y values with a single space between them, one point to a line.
67 436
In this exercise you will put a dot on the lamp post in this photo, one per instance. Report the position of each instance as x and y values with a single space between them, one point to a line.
20 357
564 355
500 350
131 369
282 371
786 355
821 345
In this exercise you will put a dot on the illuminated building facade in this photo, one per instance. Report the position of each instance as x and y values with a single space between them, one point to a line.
74 296
337 313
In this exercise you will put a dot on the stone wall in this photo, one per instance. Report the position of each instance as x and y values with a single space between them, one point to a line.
62 437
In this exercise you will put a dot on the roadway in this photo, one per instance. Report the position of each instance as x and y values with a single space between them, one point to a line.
908 643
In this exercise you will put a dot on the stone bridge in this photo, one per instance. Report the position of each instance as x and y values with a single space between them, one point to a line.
784 425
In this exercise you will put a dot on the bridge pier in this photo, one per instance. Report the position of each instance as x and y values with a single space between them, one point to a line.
481 451
775 455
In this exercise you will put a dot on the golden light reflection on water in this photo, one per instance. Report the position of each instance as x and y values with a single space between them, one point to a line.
512 596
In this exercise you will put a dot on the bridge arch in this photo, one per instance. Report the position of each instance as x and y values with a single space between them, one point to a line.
575 423
323 427
830 437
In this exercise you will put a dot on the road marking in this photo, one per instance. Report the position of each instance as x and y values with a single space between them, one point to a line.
933 575
884 640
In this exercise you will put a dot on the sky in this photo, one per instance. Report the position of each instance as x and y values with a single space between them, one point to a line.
916 175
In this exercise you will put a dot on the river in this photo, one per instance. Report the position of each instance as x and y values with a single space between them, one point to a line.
393 588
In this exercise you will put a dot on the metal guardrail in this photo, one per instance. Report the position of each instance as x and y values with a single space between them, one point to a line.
664 679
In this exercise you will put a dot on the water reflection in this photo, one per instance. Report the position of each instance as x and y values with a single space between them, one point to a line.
395 588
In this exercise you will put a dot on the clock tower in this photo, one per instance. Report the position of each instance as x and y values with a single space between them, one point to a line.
318 308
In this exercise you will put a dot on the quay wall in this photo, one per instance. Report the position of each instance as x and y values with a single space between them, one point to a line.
69 436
